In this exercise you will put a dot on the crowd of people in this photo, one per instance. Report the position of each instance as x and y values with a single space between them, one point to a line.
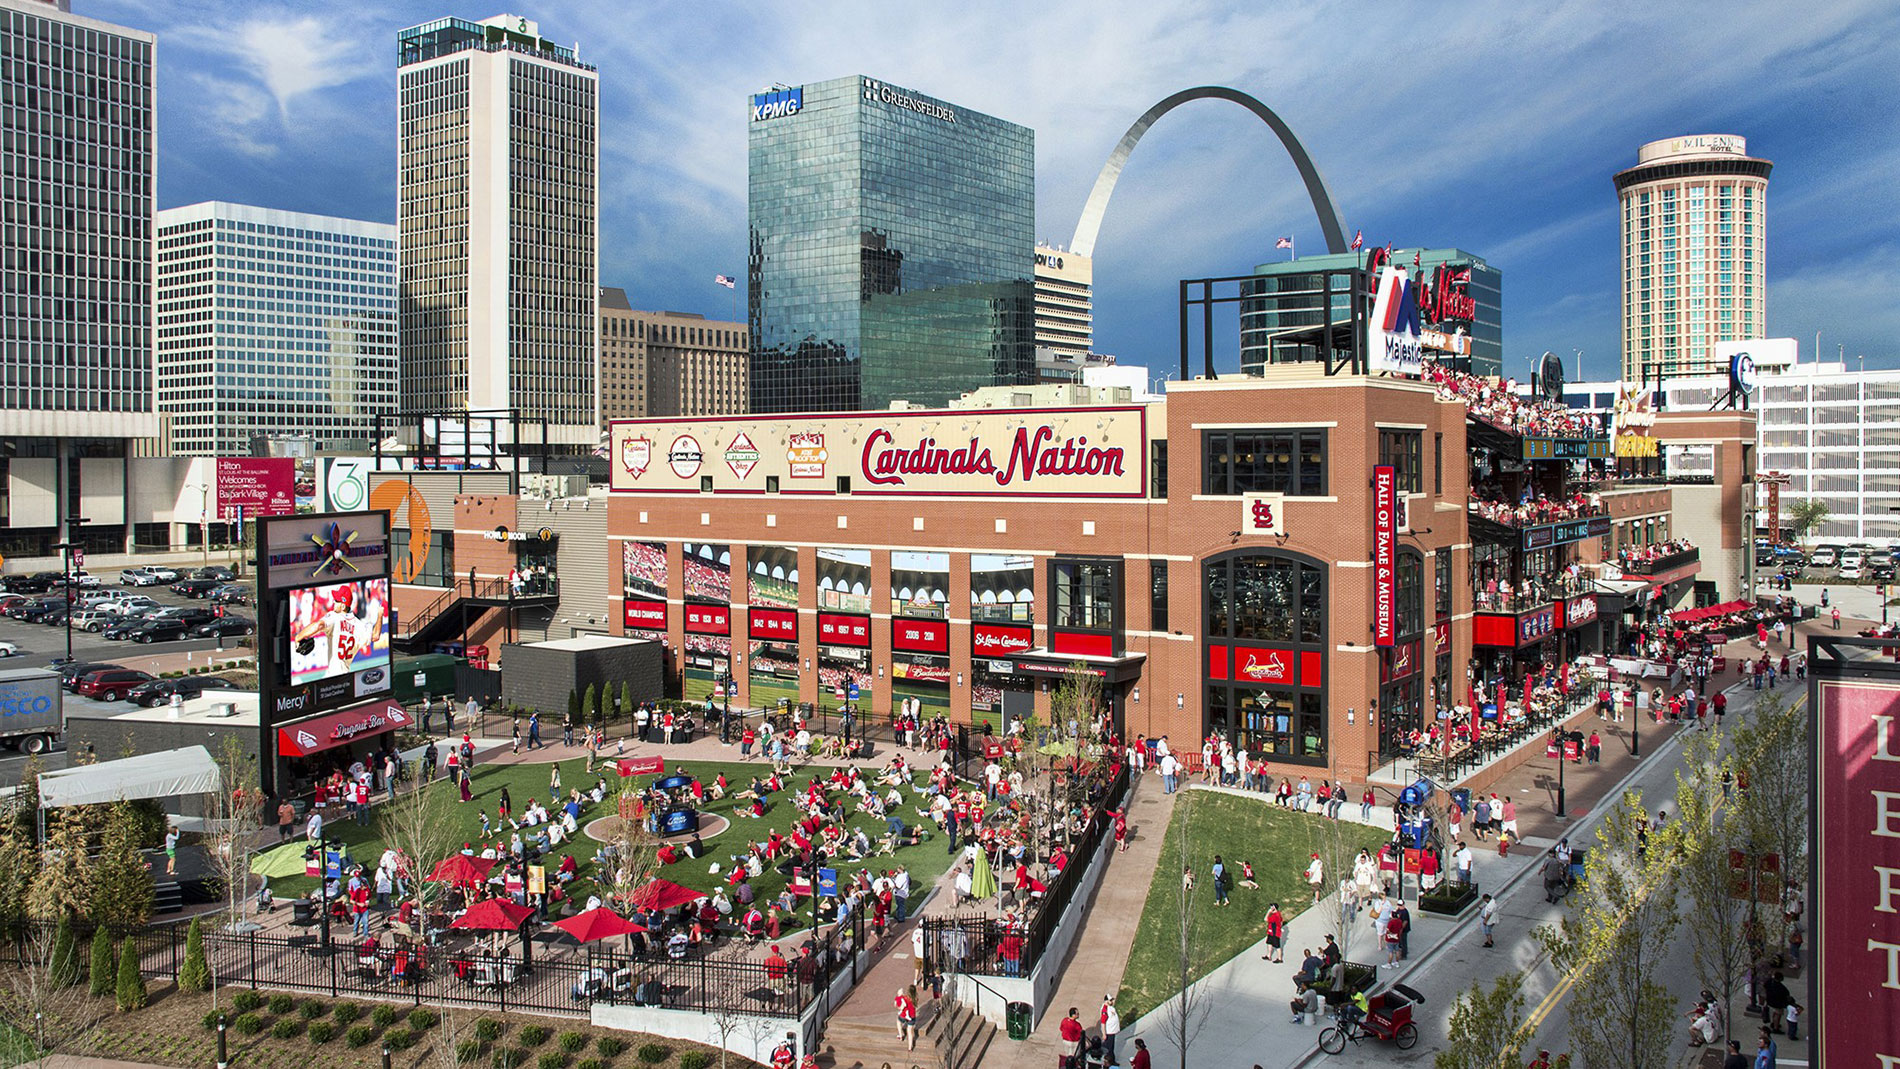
1632 558
1498 403
1494 593
1532 507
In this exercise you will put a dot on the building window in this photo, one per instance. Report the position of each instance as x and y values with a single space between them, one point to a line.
1291 462
1400 449
1438 464
1441 581
1158 469
1085 593
1157 595
1264 614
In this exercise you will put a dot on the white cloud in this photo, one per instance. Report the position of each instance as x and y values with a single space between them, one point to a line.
290 56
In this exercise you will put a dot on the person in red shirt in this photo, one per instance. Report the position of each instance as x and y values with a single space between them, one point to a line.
782 1056
1121 830
1276 934
1140 1060
1072 1033
775 969
906 1003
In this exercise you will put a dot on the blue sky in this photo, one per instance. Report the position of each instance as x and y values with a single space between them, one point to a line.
1494 127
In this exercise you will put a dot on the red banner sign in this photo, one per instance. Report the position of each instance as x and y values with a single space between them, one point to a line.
644 614
1000 640
262 486
844 629
920 636
1264 666
1385 561
641 766
708 619
1857 873
1088 645
772 623
327 732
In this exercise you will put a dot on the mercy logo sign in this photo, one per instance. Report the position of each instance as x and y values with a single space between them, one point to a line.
777 104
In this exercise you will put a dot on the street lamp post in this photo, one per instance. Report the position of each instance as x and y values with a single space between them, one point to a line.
204 518
71 544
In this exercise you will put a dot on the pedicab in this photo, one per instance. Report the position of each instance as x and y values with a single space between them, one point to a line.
1388 1017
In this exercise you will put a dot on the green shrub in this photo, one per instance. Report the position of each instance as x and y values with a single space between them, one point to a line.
653 1053
512 1058
281 1004
286 1028
105 964
399 1038
487 1029
467 1050
422 1020
532 1035
591 1063
246 1001
572 1042
322 1031
383 1016
63 969
130 990
695 1059
194 974
311 1009
248 1024
210 1020
346 1012
553 1059
610 1046
359 1035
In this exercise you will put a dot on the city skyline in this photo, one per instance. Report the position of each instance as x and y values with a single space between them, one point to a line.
302 117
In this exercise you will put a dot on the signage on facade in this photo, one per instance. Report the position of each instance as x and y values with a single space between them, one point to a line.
1565 449
1263 514
844 629
708 619
1633 422
1447 298
302 550
878 92
777 104
1385 561
503 534
1532 626
1393 342
1856 871
261 486
920 636
1060 452
991 639
645 614
1580 611
772 623
324 732
1562 534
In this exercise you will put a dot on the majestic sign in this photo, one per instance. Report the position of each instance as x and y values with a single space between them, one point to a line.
1393 341
261 486
1634 420
302 550
1385 561
1059 452
777 104
878 92
990 640
1856 908
1263 514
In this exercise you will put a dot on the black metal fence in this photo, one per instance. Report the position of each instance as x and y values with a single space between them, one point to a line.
982 946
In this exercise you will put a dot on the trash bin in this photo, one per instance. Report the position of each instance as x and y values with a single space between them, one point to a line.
1016 1018
1462 795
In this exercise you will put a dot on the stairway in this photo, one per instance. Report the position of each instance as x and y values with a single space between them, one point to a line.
167 897
870 1043
959 1035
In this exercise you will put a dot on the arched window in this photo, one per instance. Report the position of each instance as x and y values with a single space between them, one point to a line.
1265 621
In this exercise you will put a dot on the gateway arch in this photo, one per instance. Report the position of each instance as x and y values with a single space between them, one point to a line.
1090 224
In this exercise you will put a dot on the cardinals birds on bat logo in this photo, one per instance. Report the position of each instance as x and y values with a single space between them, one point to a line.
333 547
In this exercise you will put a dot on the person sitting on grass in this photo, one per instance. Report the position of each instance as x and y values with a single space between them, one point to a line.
755 809
1246 876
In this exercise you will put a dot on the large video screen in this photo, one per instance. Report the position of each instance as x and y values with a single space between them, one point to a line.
338 629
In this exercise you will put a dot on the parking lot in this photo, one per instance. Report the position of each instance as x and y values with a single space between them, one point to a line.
1876 566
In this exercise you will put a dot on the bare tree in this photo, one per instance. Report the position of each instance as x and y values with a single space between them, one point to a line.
1772 797
1616 939
233 815
1188 1011
1717 917
421 827
35 1004
1337 852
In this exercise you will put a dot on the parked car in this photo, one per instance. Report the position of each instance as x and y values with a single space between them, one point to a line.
165 575
85 580
93 620
190 615
71 674
159 691
158 631
231 594
37 583
1826 556
110 684
35 610
8 649
138 577
56 618
130 605
226 626
195 587
1881 573
121 628
214 571
1851 570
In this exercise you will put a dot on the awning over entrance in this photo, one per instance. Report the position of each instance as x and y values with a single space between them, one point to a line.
1041 663
320 733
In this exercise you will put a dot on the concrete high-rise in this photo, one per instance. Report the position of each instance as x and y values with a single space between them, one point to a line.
298 336
498 213
75 270
1065 307
1695 237
892 245
668 363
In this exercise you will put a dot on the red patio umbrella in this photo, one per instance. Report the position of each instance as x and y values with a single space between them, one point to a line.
663 894
596 924
461 869
494 914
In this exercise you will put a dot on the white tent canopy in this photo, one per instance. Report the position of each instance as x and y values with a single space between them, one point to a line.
176 773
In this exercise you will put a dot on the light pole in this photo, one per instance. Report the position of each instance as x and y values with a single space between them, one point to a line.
69 546
204 518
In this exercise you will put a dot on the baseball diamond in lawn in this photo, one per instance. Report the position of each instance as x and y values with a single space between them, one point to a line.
1240 829
926 861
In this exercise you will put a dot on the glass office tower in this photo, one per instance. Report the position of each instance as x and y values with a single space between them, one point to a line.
892 248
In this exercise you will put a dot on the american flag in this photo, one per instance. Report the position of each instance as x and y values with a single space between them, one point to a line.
1358 240
727 281
1283 243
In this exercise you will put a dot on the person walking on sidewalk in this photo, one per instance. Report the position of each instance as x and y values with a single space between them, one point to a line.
1111 1027
1488 918
1276 935
1071 1032
1837 617
1315 877
1365 805
1593 748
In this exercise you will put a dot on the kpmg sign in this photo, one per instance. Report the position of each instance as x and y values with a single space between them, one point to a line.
878 92
777 104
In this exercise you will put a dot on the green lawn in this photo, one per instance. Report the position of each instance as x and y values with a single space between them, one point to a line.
1277 841
926 861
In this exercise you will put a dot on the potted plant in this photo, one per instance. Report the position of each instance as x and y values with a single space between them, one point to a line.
1449 898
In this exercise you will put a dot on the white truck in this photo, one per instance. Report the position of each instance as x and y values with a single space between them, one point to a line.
31 711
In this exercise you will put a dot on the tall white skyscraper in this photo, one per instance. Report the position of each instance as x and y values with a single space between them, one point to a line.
297 338
77 167
1695 253
498 218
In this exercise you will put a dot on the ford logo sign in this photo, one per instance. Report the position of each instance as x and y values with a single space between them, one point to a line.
372 677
